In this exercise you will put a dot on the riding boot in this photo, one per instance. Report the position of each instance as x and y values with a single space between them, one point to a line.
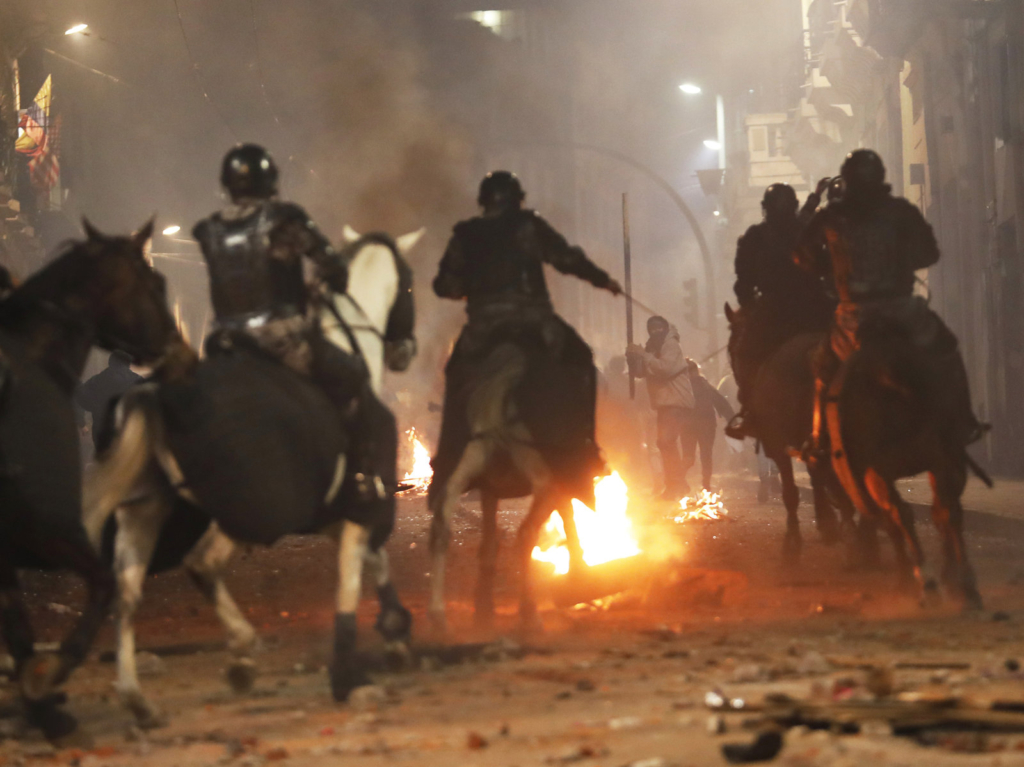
7 469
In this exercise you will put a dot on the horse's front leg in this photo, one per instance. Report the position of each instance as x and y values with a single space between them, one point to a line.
345 673
394 621
483 607
205 565
824 514
948 515
793 542
887 497
138 529
471 465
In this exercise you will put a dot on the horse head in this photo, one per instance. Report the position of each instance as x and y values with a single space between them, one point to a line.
126 297
379 306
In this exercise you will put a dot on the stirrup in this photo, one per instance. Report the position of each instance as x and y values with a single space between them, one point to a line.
814 455
738 427
369 487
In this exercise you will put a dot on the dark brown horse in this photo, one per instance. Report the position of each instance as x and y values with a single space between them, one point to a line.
100 292
893 413
782 404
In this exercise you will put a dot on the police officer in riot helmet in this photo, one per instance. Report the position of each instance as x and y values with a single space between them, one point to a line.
254 249
495 262
779 299
870 244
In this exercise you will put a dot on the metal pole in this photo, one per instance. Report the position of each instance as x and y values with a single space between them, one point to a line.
628 286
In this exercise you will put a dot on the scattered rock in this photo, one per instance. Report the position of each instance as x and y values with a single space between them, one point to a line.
1000 616
764 748
748 672
624 723
277 754
564 695
585 685
577 754
367 697
148 664
60 609
813 663
1012 665
876 728
880 682
716 725
475 741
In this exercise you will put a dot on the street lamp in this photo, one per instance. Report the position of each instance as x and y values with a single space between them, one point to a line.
173 229
76 29
690 89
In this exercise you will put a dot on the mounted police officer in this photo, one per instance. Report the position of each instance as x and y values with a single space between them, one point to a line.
495 262
779 299
870 244
254 250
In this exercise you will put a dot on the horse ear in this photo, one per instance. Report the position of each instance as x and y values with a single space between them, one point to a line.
91 231
408 241
729 313
144 234
349 235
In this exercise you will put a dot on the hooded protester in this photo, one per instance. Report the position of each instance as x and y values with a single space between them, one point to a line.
663 365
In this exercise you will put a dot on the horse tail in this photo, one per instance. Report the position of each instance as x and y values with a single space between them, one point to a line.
119 468
979 472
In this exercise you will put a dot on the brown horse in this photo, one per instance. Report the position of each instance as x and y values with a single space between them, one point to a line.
892 413
100 291
782 404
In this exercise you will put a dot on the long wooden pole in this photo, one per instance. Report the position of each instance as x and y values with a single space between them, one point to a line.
628 286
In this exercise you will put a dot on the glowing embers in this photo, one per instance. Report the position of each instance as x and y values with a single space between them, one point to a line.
422 472
605 533
706 506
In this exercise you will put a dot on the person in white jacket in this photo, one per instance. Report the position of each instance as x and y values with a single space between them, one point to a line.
663 365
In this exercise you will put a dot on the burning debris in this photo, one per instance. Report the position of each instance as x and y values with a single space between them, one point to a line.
421 473
605 533
706 506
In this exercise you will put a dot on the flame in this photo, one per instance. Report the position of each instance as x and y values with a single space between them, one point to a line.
605 533
707 506
422 472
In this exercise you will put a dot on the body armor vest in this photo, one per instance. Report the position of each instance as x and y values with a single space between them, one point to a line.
246 279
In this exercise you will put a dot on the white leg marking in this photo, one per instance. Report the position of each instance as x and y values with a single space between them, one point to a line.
379 566
351 555
206 563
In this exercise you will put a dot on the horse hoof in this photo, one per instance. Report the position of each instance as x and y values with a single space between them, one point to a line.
973 602
397 655
394 624
58 726
147 716
791 548
438 624
829 533
530 624
762 494
39 677
930 596
345 680
241 676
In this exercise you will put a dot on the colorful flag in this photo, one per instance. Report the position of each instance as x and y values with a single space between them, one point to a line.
38 137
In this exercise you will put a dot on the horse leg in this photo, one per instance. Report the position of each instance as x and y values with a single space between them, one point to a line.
792 543
138 528
345 674
824 514
471 465
205 565
484 601
903 531
529 532
948 515
394 621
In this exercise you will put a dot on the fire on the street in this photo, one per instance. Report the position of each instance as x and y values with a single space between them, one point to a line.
421 473
605 533
706 506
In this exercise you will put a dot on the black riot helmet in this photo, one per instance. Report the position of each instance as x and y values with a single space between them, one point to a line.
248 170
779 202
863 173
500 189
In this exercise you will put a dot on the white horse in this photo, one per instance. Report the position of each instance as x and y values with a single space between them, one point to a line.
138 477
